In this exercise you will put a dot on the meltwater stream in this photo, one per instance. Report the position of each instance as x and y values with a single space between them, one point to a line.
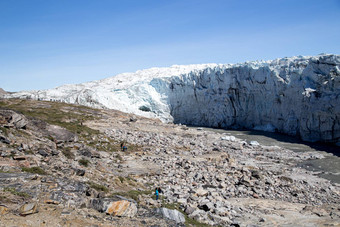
328 167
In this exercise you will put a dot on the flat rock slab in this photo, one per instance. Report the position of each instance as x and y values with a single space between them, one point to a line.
122 208
27 209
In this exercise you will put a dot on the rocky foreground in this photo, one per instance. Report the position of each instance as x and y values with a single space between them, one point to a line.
61 165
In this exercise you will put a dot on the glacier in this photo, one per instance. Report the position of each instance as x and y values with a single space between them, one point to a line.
298 96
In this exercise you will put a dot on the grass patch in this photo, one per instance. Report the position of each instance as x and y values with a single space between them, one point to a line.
84 162
98 187
28 152
4 130
192 222
36 170
15 192
65 115
68 153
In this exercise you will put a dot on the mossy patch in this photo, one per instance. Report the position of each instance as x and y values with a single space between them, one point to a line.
97 187
35 170
17 193
84 162
68 153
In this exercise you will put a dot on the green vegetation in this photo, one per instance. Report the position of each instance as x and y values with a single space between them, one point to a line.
15 192
67 152
36 170
110 145
98 187
84 162
65 115
192 222
28 152
4 130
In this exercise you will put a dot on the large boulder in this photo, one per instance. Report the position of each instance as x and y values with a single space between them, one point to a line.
174 215
10 118
60 134
27 209
112 206
122 208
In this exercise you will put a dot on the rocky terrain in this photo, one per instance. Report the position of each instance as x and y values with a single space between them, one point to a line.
62 165
296 96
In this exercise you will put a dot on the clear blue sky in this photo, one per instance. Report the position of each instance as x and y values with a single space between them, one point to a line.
47 43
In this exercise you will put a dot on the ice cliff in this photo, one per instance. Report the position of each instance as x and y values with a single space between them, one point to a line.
296 96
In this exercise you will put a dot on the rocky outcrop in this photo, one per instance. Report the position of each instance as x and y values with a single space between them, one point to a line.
296 96
174 215
9 118
2 92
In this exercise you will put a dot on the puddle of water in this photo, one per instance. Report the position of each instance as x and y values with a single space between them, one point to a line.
329 167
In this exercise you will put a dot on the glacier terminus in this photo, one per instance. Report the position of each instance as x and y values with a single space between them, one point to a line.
298 96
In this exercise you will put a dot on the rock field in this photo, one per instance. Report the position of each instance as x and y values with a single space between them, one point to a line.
62 165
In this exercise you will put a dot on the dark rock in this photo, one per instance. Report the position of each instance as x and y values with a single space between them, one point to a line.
55 152
43 153
133 119
4 140
256 174
19 158
101 204
85 152
80 172
204 207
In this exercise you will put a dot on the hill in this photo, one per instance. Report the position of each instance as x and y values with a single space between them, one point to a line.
62 164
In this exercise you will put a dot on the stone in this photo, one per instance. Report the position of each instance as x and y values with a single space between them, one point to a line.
60 134
133 119
27 209
182 201
201 192
4 140
189 210
80 172
256 174
229 138
198 215
50 201
55 152
19 157
43 153
122 208
85 152
221 211
222 221
174 215
254 143
3 209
